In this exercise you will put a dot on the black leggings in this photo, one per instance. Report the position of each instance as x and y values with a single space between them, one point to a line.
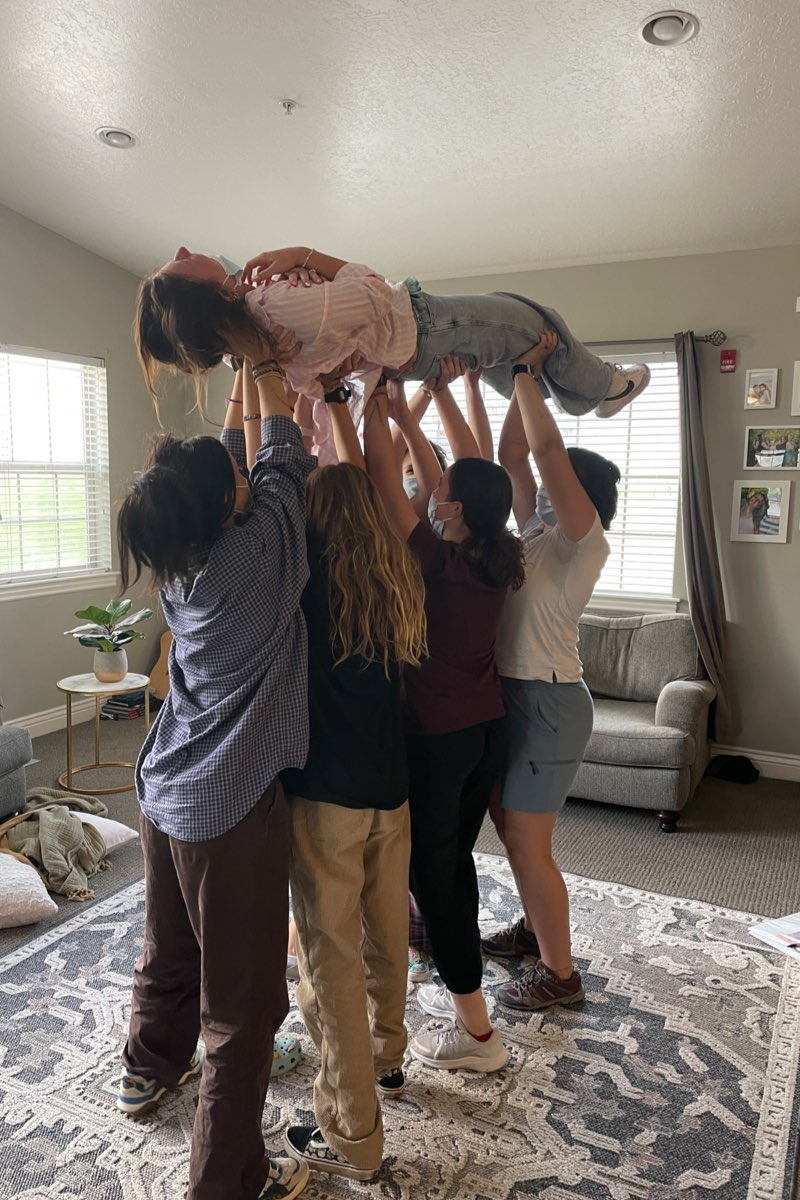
451 777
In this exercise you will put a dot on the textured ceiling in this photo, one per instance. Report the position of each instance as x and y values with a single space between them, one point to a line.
433 139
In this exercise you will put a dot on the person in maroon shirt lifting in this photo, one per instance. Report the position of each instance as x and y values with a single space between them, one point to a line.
454 712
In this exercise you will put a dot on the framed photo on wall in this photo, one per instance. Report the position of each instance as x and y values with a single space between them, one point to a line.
761 388
760 510
771 447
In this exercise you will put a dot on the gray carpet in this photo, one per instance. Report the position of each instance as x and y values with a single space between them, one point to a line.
676 1076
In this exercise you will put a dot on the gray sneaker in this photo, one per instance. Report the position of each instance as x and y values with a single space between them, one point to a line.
510 942
539 988
452 1046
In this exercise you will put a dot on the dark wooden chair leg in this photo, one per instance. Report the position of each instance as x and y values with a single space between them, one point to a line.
668 820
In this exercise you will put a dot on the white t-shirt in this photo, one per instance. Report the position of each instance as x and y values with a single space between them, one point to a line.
538 634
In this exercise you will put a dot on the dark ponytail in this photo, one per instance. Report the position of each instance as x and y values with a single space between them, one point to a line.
174 509
484 491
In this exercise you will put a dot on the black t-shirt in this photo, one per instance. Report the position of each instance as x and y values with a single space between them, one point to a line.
356 755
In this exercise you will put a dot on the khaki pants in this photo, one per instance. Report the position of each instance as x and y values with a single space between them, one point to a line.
349 877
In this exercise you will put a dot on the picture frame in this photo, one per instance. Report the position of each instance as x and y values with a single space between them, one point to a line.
760 510
795 410
771 447
761 388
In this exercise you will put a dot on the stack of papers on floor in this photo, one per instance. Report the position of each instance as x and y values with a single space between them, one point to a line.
783 933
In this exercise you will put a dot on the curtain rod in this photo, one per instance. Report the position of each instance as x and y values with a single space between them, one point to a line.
716 339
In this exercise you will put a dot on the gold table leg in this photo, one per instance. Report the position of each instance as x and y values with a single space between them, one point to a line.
65 779
69 742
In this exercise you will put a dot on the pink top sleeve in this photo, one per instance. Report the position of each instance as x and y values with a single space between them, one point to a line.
357 311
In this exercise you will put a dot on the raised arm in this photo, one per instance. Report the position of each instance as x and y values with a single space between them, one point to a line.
292 260
418 405
574 510
382 465
345 438
251 416
423 460
457 431
477 417
513 453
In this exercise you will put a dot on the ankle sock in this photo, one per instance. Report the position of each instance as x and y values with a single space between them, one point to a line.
479 1037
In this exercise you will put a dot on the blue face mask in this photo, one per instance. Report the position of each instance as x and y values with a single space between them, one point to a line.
410 486
229 266
437 523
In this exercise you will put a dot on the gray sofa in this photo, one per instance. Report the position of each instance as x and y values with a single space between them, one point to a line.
15 752
649 746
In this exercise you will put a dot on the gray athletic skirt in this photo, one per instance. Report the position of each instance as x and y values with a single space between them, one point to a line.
548 726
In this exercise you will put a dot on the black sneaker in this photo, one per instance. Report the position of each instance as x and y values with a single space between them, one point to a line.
510 942
392 1085
307 1145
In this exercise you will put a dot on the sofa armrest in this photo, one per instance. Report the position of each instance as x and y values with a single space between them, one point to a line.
682 702
15 748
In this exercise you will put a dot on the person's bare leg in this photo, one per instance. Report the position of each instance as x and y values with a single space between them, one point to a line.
292 947
498 816
528 841
472 1012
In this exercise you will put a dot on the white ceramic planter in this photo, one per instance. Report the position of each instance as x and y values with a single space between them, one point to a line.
110 665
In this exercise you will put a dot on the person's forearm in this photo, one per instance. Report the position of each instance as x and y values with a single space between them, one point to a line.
252 410
324 264
541 432
513 446
457 431
418 405
478 420
345 438
423 460
382 467
233 409
272 396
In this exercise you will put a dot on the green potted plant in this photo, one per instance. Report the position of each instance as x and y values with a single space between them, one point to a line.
109 631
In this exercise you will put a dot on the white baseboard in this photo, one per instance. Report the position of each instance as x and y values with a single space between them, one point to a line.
50 720
770 764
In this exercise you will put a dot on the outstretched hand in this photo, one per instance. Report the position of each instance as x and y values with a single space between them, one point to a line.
450 368
249 342
539 354
346 367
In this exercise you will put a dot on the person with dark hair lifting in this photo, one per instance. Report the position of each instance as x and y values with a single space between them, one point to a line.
549 710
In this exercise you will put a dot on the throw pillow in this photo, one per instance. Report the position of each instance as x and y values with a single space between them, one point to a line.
23 896
113 833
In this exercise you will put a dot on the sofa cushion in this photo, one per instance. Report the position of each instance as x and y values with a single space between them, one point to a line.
633 658
15 748
625 733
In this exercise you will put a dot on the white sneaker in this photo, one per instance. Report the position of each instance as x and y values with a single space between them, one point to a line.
625 386
452 1046
436 1001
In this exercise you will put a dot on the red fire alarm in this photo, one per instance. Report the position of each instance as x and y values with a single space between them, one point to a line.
727 361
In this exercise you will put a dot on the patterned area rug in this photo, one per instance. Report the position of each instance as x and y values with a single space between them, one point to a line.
677 1078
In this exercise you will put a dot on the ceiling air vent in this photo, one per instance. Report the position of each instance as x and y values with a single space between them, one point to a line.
672 27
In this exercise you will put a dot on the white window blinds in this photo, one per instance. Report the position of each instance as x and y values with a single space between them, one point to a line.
644 441
55 520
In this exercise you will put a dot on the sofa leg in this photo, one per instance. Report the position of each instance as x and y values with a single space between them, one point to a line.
668 820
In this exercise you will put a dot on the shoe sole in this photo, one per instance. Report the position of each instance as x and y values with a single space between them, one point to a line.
522 1007
136 1114
313 1164
391 1093
468 1063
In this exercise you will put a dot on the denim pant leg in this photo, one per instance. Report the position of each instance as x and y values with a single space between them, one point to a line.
491 330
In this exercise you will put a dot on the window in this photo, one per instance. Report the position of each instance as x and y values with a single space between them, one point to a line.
644 441
55 523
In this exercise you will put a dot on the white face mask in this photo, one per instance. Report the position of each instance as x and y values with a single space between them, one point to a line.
230 267
410 486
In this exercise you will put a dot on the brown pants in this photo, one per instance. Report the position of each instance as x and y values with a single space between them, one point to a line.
214 963
349 873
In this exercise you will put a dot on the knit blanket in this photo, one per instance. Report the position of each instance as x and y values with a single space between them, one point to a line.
49 834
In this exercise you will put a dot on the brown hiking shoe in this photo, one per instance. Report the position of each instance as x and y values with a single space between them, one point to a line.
539 988
510 942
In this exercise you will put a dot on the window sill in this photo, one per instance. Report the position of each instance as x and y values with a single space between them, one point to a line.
609 604
56 587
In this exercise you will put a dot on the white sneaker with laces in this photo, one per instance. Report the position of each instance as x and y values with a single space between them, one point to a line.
452 1046
626 385
436 1001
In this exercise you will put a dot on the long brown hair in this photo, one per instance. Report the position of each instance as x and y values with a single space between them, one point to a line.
185 325
375 587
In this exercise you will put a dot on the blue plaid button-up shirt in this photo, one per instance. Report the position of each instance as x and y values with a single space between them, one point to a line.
237 710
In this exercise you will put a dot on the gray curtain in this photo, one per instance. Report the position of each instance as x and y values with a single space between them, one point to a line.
703 578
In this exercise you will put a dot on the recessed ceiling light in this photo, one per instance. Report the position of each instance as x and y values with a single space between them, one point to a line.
672 27
120 139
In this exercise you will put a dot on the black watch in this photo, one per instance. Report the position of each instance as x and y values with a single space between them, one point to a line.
339 395
524 369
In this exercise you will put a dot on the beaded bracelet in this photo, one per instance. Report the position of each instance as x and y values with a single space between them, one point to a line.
252 416
267 367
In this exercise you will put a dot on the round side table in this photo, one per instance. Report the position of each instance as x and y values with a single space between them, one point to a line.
90 685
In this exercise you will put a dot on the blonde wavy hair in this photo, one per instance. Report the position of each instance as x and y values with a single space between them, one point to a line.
375 587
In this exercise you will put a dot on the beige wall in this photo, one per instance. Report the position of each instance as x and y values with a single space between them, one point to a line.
58 297
751 295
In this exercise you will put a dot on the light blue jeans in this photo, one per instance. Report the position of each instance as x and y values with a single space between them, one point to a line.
493 329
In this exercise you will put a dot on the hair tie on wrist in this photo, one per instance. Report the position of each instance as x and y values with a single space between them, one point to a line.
232 400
